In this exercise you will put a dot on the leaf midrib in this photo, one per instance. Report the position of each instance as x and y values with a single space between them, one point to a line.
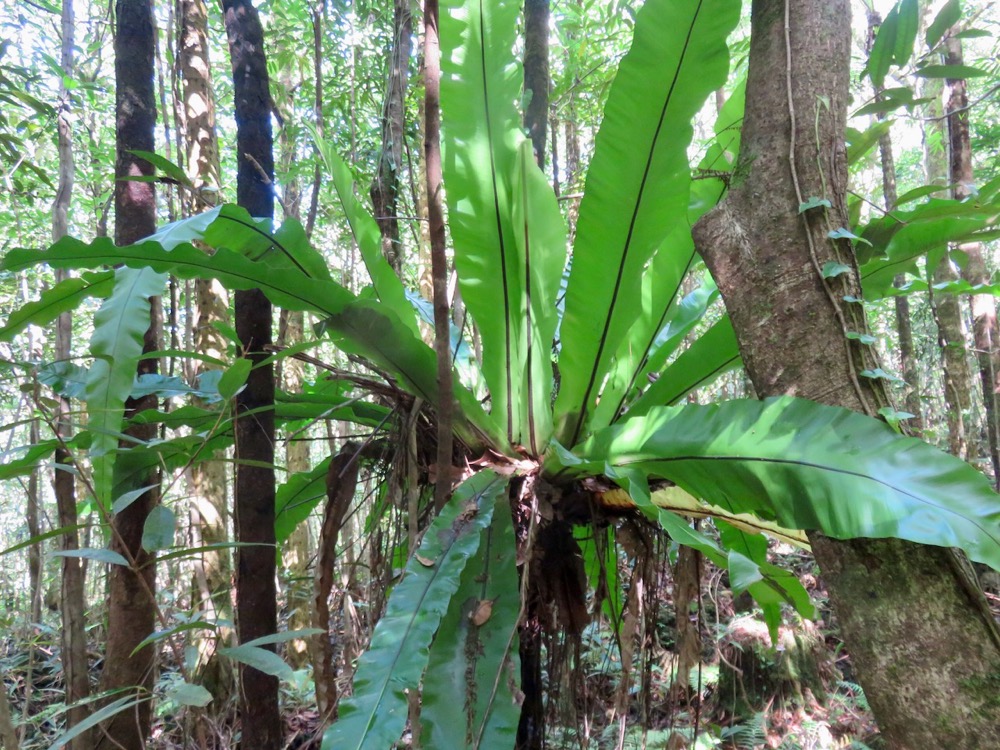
631 229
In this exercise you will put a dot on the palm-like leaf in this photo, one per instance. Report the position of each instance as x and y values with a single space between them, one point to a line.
387 285
807 466
540 235
659 308
374 716
769 585
474 656
637 186
664 319
65 296
902 238
503 219
116 345
711 354
365 327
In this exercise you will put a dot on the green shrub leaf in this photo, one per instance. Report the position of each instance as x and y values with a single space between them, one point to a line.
474 660
637 186
809 466
374 716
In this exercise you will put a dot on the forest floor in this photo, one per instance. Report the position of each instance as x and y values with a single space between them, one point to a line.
743 693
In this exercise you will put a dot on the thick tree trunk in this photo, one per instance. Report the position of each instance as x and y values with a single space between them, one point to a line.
256 595
131 608
385 187
984 309
923 644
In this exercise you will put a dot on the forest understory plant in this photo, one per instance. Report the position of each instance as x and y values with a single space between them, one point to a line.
577 412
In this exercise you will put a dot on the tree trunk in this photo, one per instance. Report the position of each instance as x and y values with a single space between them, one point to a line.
984 310
571 136
439 259
341 484
924 646
290 374
198 102
536 74
947 308
131 607
904 327
72 600
908 359
317 29
31 514
256 595
385 187
531 726
298 554
209 513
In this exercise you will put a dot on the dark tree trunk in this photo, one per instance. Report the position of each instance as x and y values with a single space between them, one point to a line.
536 74
256 595
131 608
531 727
385 187
921 639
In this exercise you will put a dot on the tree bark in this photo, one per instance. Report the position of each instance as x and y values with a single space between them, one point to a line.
317 29
8 733
904 327
256 595
439 259
31 513
924 646
72 600
209 512
299 553
947 308
385 187
341 484
131 607
984 309
531 726
198 102
536 74
290 375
